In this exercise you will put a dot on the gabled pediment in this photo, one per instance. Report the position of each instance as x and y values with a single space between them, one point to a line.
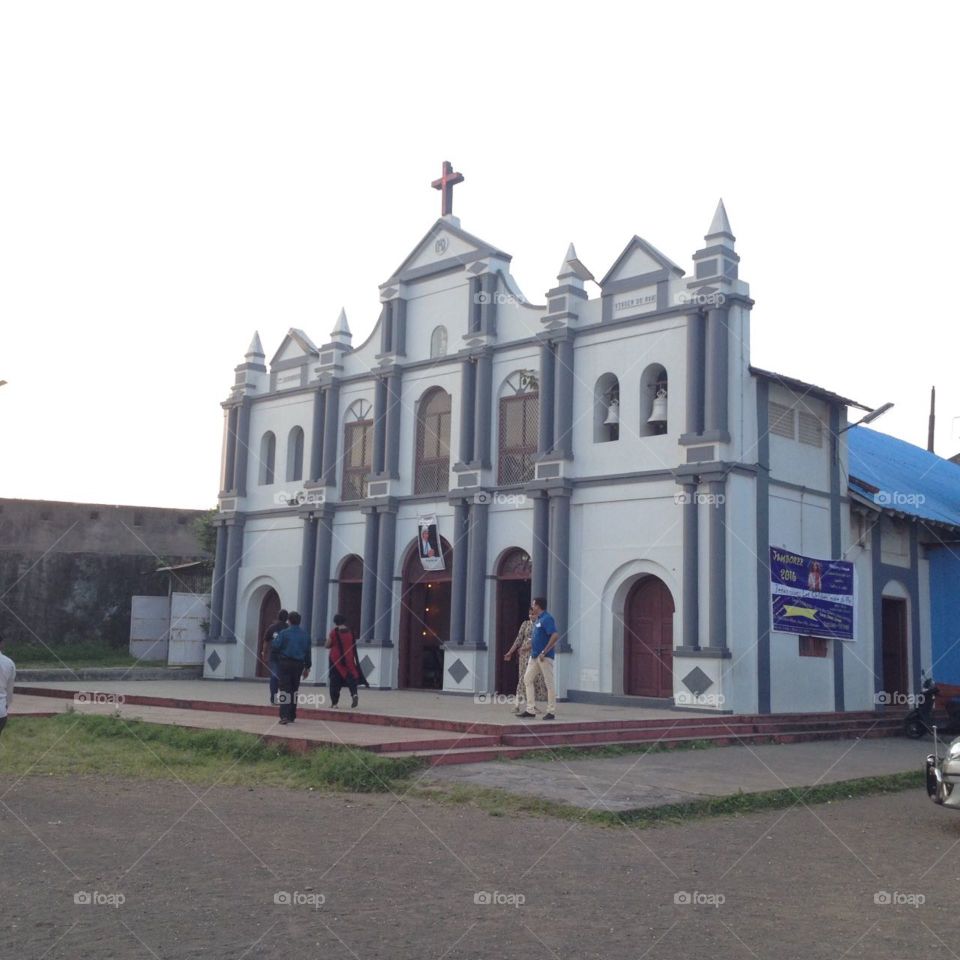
638 259
296 345
445 242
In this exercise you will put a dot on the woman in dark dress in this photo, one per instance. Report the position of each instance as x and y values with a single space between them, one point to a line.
344 669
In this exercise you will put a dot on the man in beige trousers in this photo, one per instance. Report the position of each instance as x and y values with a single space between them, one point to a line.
544 641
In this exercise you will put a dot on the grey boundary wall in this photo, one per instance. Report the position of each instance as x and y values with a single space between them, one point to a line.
68 570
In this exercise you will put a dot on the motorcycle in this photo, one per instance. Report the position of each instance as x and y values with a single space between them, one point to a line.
919 721
943 774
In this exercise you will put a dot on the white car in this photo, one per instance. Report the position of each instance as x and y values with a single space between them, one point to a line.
943 775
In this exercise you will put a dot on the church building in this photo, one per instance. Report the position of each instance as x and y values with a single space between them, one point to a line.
686 515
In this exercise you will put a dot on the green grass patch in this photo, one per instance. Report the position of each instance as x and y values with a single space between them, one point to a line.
499 802
35 656
613 750
75 744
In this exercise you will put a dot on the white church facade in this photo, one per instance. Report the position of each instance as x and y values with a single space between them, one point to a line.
613 451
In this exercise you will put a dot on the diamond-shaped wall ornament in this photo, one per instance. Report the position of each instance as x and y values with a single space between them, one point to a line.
214 661
697 682
457 670
366 665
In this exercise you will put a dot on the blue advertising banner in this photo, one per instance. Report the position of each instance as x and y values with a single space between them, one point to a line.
812 597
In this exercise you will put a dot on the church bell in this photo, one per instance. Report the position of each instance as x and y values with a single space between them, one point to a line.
659 412
613 414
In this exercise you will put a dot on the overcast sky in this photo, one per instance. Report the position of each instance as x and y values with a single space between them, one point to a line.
175 176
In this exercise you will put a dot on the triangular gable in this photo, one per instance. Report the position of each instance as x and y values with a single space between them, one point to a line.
445 241
295 344
639 258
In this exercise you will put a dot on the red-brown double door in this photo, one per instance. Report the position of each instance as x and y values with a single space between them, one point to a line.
648 640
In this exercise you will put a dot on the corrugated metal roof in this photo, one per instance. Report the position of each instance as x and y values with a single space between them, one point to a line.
801 386
897 476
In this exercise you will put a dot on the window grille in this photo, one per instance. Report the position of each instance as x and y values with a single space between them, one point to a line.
357 458
433 444
519 423
811 429
783 420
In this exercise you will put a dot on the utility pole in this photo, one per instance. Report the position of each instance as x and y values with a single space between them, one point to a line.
933 418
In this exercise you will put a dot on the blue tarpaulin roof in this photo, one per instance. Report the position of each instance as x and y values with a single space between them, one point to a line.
896 475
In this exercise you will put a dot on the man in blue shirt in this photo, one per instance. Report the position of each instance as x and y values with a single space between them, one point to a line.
292 647
544 641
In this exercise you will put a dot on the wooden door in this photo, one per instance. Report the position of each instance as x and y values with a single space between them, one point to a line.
513 606
894 618
648 640
269 608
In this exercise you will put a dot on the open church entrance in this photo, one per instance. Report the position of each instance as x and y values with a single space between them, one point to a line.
513 606
424 622
269 608
648 640
896 682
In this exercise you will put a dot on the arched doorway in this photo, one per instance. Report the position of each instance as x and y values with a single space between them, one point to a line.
513 606
350 593
424 621
269 608
648 640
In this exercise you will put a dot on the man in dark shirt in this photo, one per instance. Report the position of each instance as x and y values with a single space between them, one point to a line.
293 652
269 656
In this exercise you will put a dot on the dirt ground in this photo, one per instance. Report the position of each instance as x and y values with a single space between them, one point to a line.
199 871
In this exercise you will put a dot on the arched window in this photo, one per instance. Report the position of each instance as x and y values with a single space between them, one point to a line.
606 409
357 450
519 424
653 401
433 443
438 342
268 458
295 454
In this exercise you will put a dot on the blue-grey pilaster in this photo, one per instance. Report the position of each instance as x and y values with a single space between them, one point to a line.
763 546
717 370
386 327
696 352
232 574
379 426
400 326
331 414
717 508
385 548
488 304
458 587
230 455
368 597
539 578
546 434
563 418
308 559
392 462
317 431
219 576
476 576
836 544
559 563
321 573
468 381
691 567
243 447
484 401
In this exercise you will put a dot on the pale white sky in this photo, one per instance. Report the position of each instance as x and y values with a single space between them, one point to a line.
176 175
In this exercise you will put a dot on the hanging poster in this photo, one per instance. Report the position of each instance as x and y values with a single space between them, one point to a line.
428 543
811 597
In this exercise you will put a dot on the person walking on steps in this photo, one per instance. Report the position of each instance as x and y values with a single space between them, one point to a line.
293 652
543 644
344 668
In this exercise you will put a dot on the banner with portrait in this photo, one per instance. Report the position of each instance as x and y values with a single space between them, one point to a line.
810 596
428 543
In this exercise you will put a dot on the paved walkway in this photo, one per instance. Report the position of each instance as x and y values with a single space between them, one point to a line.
655 779
395 703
